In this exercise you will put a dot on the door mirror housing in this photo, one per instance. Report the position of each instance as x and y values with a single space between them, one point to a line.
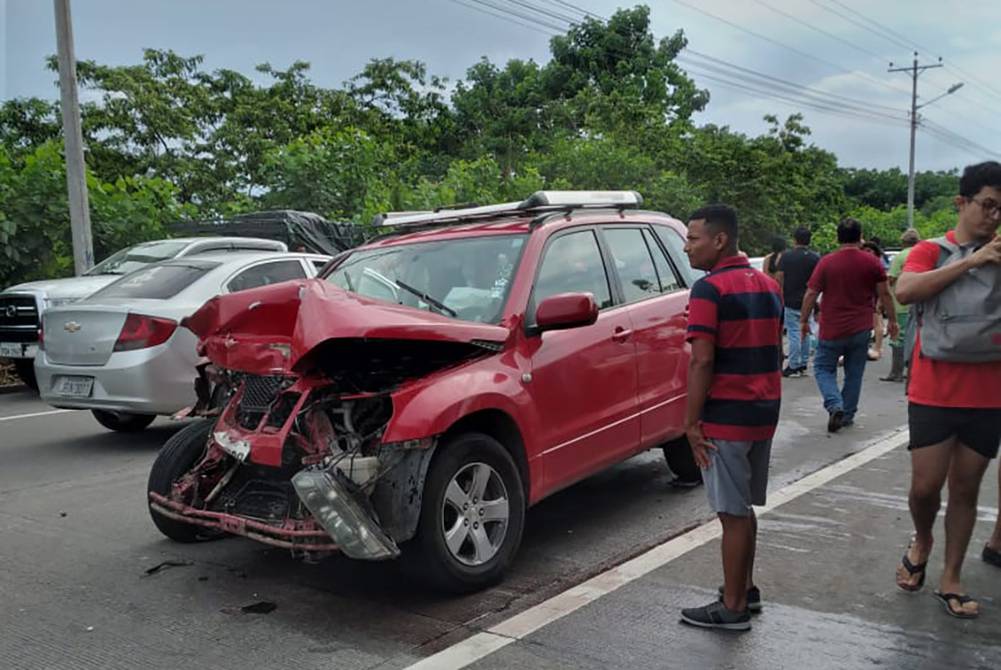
566 310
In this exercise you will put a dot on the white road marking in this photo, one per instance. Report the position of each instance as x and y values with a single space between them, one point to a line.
521 625
33 414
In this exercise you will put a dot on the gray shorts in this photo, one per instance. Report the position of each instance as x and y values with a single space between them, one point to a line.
737 476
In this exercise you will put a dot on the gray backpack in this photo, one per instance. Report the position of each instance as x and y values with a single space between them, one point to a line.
962 324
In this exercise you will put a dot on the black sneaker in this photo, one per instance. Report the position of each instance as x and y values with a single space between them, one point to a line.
715 615
789 372
834 421
753 598
801 372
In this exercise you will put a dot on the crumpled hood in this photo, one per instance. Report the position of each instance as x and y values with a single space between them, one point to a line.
277 329
62 289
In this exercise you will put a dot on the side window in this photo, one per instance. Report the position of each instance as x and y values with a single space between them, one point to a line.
266 273
633 263
675 245
665 273
573 264
318 264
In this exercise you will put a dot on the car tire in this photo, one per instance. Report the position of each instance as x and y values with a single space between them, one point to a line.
176 457
25 369
123 422
459 461
678 454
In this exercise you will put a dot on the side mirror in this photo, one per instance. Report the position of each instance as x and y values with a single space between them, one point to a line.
566 310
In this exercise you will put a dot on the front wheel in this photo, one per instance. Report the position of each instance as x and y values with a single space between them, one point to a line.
178 455
122 422
472 514
678 454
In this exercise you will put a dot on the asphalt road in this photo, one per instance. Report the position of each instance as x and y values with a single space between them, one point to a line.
76 543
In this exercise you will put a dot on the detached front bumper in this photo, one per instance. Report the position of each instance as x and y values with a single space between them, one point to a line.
340 521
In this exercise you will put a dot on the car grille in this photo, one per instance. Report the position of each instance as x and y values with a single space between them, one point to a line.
18 318
258 394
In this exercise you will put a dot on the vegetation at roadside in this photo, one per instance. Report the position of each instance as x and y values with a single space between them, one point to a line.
168 140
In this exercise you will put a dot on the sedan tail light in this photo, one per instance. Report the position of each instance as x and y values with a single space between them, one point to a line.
141 332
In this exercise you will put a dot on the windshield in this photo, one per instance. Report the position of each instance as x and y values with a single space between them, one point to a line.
133 258
158 282
466 279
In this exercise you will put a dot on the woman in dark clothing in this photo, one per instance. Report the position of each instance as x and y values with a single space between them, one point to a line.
770 264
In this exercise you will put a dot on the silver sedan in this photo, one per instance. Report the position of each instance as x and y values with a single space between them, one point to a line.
121 353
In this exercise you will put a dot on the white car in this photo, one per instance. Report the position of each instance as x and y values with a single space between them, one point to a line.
121 352
22 306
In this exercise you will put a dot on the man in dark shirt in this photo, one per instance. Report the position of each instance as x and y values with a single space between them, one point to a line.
849 279
795 268
734 392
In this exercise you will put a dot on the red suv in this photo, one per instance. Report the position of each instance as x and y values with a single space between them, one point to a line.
434 383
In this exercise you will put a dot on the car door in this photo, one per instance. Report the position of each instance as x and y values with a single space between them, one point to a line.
583 380
655 298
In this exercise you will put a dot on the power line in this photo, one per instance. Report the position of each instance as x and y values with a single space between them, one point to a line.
906 44
783 82
535 20
783 45
503 17
889 31
559 16
832 36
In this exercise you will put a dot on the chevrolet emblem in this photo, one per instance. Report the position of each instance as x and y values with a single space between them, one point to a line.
71 326
11 311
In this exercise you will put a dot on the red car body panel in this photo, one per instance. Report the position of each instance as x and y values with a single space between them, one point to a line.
582 398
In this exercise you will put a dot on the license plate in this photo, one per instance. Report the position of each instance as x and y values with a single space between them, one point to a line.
74 387
11 350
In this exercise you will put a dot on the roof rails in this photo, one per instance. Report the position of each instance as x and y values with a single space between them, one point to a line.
540 201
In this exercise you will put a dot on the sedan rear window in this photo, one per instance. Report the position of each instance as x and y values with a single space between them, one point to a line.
157 282
134 258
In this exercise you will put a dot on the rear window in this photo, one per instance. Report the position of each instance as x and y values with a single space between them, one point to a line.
134 258
157 282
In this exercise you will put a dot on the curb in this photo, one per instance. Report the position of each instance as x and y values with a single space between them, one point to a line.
16 388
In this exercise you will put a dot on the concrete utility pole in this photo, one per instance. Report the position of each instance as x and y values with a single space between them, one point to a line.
76 180
914 71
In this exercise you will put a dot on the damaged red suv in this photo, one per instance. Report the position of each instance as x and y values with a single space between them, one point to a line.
434 383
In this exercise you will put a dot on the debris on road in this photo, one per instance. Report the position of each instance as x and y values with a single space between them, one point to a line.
261 607
168 564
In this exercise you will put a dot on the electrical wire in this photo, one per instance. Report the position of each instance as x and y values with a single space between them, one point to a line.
807 24
503 17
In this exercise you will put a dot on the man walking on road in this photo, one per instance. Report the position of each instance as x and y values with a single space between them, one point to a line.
954 408
897 365
849 279
794 270
734 391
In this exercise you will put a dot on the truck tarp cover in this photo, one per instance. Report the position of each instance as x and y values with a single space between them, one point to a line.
305 230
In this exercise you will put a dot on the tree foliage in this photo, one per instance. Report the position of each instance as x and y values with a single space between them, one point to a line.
612 108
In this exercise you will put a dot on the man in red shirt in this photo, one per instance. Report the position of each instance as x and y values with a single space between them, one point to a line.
849 280
954 409
734 391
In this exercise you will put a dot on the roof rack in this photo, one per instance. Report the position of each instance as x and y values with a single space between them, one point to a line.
540 201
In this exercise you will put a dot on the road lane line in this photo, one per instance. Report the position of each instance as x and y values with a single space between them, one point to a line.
28 416
521 625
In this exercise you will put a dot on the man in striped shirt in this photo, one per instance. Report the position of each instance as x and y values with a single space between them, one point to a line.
734 392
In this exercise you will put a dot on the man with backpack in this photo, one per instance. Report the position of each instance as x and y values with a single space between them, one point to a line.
954 393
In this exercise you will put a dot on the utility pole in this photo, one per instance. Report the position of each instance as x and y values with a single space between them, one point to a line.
76 180
914 70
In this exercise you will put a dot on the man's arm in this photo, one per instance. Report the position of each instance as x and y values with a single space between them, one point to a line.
883 291
809 302
700 376
920 286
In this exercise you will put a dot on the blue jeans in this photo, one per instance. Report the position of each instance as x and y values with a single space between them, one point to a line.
799 351
855 349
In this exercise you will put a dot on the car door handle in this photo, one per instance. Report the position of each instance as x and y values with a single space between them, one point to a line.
621 334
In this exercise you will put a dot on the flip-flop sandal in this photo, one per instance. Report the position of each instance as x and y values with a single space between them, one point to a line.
913 570
949 598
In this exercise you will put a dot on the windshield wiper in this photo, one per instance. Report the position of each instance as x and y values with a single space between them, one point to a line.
426 298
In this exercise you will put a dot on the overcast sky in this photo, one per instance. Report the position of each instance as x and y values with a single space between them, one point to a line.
338 36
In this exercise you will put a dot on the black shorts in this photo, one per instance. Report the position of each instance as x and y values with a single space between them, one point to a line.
978 429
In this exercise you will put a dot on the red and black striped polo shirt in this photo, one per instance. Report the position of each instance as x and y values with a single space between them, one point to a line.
740 310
